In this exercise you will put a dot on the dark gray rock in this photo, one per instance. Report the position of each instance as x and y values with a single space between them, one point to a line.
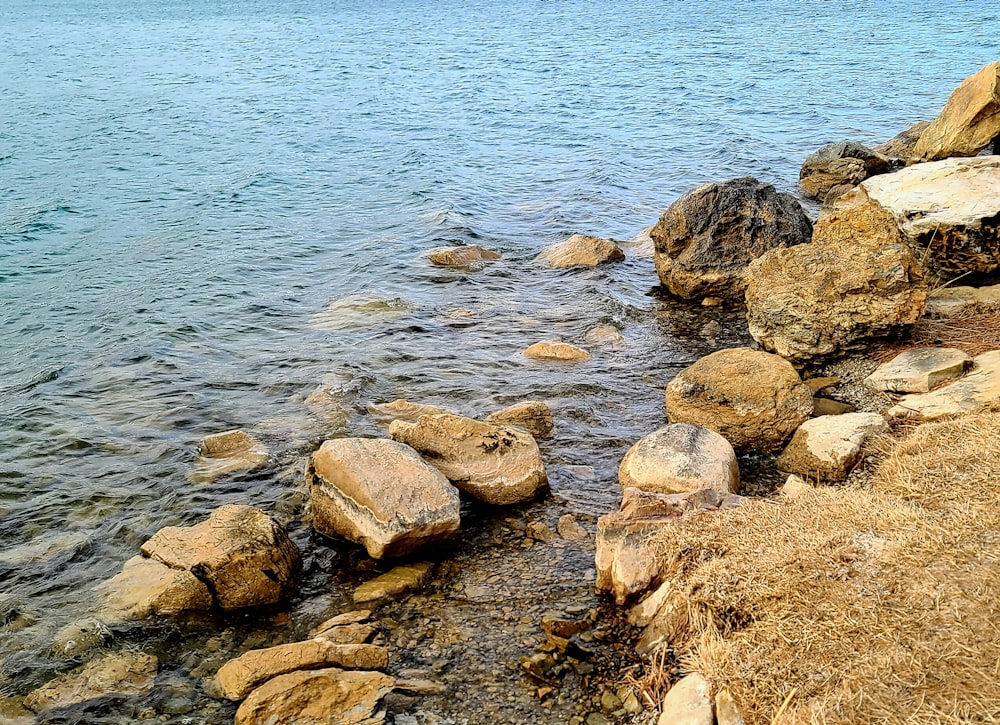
837 167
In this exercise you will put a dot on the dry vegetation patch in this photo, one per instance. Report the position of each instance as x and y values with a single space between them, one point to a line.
974 329
854 605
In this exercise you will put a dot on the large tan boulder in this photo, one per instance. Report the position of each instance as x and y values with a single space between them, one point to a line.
828 448
380 494
680 457
239 676
856 281
146 587
496 464
969 121
116 675
979 387
755 400
834 168
581 251
242 554
318 697
705 240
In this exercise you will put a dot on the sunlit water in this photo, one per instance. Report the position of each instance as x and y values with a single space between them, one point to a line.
186 187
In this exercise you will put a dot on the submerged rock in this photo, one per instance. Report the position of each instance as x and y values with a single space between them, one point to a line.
755 400
606 335
680 457
228 452
469 255
318 697
705 240
81 636
828 448
836 167
969 121
147 587
919 369
979 387
582 251
497 464
242 554
555 350
114 676
396 581
380 494
400 409
532 415
360 311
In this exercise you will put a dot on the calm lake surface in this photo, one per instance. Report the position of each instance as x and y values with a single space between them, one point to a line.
187 187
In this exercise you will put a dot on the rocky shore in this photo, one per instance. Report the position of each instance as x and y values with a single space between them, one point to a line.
901 226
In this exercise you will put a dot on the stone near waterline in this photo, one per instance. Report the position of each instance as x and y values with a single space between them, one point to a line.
605 335
497 464
626 563
680 457
420 687
755 400
836 167
538 531
380 494
347 634
643 613
147 587
918 370
111 677
855 282
641 245
400 409
228 452
570 529
242 554
949 301
668 623
705 240
581 250
688 702
726 711
397 581
818 385
979 387
239 676
318 697
555 350
532 415
81 636
828 448
826 406
795 487
330 629
969 121
900 147
360 311
469 255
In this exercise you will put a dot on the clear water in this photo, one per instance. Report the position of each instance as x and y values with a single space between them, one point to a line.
185 187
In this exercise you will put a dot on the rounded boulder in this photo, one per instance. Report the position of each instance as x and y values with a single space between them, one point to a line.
678 458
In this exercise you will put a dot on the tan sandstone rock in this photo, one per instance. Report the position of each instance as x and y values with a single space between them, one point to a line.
394 582
122 674
919 369
688 702
680 457
228 452
554 350
969 121
241 553
980 386
318 697
532 415
146 587
581 250
469 255
380 494
346 628
795 487
828 448
705 240
239 676
755 400
496 464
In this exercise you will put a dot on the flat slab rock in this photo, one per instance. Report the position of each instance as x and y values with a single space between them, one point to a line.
318 697
919 370
396 581
123 674
146 587
680 457
829 447
581 250
980 386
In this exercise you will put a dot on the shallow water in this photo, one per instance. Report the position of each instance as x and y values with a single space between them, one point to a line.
187 188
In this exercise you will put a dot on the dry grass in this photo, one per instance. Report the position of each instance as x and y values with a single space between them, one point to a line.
974 329
851 605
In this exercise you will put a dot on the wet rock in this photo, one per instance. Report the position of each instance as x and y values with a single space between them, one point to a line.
538 531
80 637
753 399
228 452
239 676
497 464
606 335
395 582
380 494
828 448
532 415
400 409
795 487
948 301
705 240
980 386
900 147
826 406
470 255
839 165
147 587
969 121
581 251
680 457
318 697
119 675
726 712
918 370
570 529
555 350
360 311
242 554
346 628
688 702
855 282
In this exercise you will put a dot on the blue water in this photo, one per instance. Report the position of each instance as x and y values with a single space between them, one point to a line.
185 186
